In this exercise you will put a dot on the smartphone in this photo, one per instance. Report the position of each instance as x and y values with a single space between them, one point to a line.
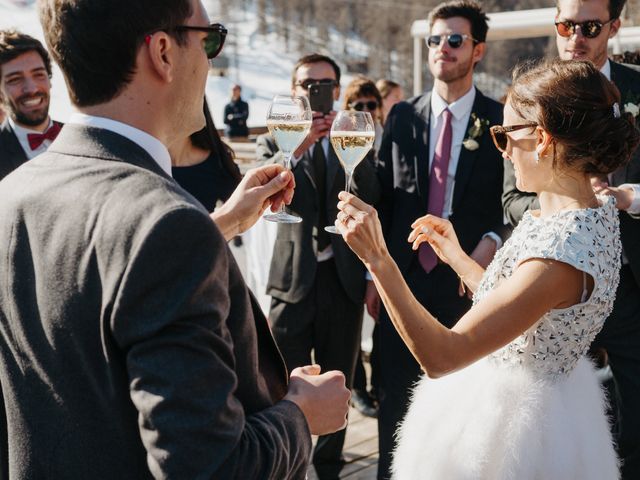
321 97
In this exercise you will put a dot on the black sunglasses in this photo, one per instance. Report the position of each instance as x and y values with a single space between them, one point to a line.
588 28
360 106
499 133
455 40
305 84
213 42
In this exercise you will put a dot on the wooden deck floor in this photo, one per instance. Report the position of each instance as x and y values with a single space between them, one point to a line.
360 449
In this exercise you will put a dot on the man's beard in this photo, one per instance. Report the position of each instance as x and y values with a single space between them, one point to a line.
31 119
460 71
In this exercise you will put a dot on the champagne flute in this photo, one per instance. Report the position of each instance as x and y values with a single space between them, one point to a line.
352 135
289 121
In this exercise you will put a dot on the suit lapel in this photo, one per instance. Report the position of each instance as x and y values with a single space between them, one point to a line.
421 140
334 170
619 79
467 157
306 162
14 150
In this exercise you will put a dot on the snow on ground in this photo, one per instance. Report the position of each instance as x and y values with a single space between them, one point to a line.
263 69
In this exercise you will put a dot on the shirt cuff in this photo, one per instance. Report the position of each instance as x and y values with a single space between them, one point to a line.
634 208
495 237
295 160
367 276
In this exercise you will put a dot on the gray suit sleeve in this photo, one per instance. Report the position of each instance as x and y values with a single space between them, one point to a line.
515 202
171 317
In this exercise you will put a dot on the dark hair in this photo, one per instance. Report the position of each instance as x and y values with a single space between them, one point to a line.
630 58
580 109
13 44
466 9
315 58
96 42
362 87
385 87
209 139
615 8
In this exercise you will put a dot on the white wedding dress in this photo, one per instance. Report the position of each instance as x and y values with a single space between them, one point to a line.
533 409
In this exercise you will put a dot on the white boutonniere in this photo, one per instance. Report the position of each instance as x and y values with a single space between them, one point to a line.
632 108
477 128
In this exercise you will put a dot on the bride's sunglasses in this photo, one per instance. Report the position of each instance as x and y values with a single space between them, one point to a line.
499 134
213 42
588 28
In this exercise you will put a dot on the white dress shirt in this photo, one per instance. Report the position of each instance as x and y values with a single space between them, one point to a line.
634 207
150 144
21 134
460 114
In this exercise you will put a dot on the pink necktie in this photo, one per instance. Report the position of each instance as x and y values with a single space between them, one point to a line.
437 186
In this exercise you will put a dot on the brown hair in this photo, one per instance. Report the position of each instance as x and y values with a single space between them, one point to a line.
467 9
13 44
209 139
580 109
362 87
314 58
96 42
615 8
385 87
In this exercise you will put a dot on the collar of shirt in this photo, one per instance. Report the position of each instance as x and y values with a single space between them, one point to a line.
148 143
606 69
460 109
21 134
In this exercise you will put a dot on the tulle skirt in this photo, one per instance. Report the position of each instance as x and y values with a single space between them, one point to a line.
496 422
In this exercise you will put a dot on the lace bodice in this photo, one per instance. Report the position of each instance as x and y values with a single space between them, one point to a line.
587 239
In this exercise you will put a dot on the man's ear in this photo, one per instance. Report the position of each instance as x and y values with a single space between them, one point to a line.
479 50
615 26
161 50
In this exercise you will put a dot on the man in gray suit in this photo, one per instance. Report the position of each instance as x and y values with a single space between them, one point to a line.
316 282
130 346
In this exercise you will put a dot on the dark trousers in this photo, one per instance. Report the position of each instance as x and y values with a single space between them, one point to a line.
329 323
620 336
399 371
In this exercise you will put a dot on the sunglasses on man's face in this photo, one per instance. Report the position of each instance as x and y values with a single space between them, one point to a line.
360 106
499 133
588 28
455 40
213 42
305 84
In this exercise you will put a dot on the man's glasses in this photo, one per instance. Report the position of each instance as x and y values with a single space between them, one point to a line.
305 84
499 133
455 40
213 42
360 106
588 28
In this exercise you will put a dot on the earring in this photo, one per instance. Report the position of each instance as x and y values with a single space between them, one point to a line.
537 157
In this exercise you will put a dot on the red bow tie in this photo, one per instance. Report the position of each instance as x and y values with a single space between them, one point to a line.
36 139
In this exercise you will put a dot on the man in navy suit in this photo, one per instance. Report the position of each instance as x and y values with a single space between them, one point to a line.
583 29
25 84
437 157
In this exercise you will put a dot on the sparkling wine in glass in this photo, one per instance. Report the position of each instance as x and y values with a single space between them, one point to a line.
289 121
352 135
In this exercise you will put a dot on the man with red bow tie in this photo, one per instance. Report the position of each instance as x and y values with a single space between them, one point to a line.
25 84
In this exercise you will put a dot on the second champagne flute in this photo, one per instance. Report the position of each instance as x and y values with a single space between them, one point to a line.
289 121
352 136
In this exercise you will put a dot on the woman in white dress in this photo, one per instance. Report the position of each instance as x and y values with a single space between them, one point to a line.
519 400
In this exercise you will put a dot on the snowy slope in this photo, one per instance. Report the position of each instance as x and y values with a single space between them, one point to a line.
263 70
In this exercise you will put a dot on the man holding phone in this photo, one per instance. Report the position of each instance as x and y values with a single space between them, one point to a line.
317 284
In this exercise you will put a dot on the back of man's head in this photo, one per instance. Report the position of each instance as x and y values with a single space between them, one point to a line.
14 44
468 9
96 43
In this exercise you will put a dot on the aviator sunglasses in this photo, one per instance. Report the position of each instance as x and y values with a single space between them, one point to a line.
213 42
499 133
588 28
455 40
360 106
